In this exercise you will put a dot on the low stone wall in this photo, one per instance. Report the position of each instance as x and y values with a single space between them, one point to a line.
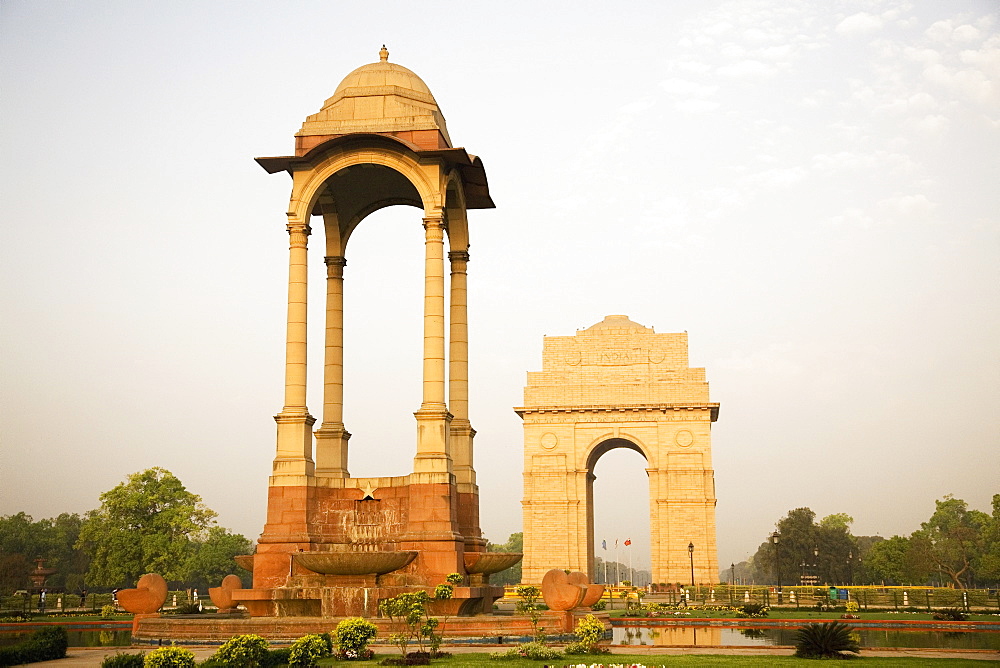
212 628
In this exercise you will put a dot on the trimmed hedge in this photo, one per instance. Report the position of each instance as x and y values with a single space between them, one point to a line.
42 645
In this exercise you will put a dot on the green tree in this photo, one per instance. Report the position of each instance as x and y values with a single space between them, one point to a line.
22 540
886 562
144 525
212 559
952 539
511 576
987 563
825 548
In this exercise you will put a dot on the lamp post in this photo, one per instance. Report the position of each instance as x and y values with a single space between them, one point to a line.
777 561
850 567
815 566
691 558
732 574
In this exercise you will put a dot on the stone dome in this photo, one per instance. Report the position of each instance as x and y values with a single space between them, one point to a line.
384 73
382 98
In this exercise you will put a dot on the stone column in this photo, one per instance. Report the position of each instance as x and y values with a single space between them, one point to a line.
458 372
461 431
433 418
332 437
294 451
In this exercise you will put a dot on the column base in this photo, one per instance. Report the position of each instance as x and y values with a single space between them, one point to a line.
331 451
433 436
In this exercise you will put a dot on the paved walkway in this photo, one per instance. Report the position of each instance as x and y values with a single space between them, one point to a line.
92 656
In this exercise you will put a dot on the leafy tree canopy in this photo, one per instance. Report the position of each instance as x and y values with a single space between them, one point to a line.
22 540
212 558
511 576
144 525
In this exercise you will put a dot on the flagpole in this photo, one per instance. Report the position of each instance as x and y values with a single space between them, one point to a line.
618 577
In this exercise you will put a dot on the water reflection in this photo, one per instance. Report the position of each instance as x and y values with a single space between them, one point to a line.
688 636
98 638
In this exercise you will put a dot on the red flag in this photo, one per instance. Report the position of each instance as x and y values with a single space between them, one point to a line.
628 542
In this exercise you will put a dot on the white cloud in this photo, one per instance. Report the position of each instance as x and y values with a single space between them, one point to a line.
779 177
852 217
748 69
862 22
687 88
907 205
695 106
932 124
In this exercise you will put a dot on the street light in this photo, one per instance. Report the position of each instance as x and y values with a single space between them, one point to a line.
691 558
850 567
777 561
732 574
816 564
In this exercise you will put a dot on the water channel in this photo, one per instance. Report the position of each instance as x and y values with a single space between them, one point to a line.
705 636
655 636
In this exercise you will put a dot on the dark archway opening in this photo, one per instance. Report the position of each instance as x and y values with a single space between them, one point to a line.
618 511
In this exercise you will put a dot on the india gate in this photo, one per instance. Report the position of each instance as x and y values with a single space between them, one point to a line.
618 384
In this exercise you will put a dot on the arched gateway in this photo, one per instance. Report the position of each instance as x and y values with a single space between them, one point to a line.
618 385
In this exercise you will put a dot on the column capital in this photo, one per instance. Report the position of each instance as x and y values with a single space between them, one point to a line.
302 228
335 266
298 234
434 222
458 256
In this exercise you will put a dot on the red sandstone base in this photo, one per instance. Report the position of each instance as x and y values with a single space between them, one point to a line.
206 628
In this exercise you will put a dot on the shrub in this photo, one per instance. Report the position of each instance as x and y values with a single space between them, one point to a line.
825 641
530 650
851 606
752 610
307 650
121 660
589 632
107 611
538 652
244 651
410 610
189 609
600 605
170 657
950 615
42 645
275 658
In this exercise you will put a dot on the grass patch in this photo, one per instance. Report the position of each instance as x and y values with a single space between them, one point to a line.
475 660
68 619
810 615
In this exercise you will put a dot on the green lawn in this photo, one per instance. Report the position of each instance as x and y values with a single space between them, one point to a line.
69 619
651 660
812 614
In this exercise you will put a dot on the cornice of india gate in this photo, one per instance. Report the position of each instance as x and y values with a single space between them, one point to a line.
620 408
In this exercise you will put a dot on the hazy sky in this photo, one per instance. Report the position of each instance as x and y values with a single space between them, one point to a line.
810 189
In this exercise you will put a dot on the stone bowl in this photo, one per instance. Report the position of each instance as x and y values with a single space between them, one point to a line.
148 596
560 592
244 561
490 562
222 595
353 563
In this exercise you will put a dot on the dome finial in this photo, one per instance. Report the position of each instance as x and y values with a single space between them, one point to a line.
383 54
